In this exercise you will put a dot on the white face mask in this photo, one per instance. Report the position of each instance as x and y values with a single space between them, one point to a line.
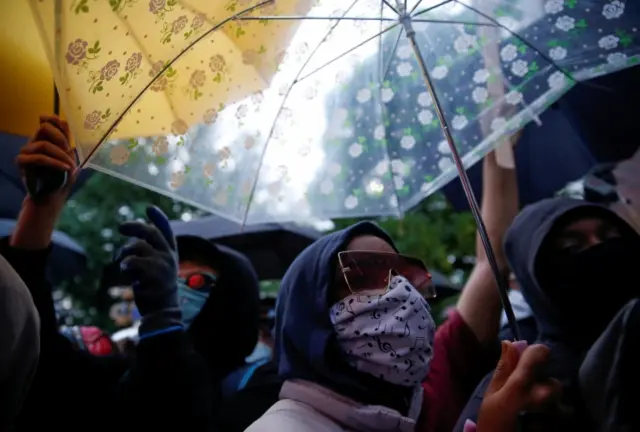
389 336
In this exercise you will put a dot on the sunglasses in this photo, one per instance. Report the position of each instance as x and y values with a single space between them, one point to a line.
200 281
371 272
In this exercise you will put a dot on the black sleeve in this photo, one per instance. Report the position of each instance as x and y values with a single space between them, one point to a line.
66 380
169 387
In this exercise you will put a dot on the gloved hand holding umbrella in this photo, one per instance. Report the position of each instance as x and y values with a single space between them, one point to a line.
150 261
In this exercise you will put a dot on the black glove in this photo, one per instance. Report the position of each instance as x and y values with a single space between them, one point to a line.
150 261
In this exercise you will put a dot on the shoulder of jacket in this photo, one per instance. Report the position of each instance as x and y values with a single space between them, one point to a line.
288 415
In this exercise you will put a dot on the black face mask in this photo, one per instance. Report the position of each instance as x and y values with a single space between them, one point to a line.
591 286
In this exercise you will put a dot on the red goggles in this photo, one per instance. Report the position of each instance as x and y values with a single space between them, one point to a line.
371 272
200 281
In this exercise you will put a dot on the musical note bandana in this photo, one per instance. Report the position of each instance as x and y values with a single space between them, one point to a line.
389 336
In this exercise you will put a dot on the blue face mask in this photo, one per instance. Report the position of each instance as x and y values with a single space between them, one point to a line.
191 302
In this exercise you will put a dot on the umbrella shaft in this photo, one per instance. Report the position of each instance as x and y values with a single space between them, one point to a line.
466 184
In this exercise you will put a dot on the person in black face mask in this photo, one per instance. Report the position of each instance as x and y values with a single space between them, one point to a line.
576 265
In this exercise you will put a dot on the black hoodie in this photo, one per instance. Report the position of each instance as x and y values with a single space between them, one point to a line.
525 245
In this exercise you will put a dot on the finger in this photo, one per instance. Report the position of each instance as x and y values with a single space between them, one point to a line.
548 392
51 133
39 160
49 149
146 232
138 268
160 220
55 120
527 372
139 248
506 365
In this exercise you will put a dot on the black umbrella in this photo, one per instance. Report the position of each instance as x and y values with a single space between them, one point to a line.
271 248
68 258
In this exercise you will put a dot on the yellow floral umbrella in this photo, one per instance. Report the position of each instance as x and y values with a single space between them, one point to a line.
132 68
26 82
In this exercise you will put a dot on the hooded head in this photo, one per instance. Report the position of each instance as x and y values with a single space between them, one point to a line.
307 341
575 264
225 323
20 343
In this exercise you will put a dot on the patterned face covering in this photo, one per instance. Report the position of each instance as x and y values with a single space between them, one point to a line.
389 336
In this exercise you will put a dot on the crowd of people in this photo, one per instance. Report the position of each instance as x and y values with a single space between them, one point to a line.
353 346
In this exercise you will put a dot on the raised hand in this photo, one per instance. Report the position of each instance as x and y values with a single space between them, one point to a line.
150 262
517 386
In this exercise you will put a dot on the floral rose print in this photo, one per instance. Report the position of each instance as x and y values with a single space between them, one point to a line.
179 24
198 78
160 146
210 116
164 81
156 6
250 57
76 51
554 6
109 70
93 120
179 127
249 142
133 62
119 155
177 179
566 23
609 42
509 53
131 68
196 81
198 21
209 168
217 63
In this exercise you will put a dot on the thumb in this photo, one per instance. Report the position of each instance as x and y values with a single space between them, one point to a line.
160 221
506 366
529 367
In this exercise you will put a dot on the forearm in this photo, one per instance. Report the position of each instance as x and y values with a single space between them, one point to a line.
499 206
35 227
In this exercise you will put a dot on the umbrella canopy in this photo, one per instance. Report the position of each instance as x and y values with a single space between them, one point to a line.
547 158
143 68
271 248
11 188
350 130
68 258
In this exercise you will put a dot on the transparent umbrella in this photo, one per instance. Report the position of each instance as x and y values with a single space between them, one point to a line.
375 104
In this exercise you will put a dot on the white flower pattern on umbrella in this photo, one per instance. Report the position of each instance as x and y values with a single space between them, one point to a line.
407 142
355 150
425 117
386 94
509 52
443 147
404 69
481 76
459 122
425 99
566 23
480 95
557 80
514 97
404 52
364 95
440 72
613 10
519 68
498 124
554 6
465 43
609 42
617 59
558 53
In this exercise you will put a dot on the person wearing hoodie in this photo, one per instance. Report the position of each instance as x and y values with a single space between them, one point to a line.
20 343
188 340
575 263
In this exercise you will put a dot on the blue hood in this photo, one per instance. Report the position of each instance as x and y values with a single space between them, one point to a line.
306 346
